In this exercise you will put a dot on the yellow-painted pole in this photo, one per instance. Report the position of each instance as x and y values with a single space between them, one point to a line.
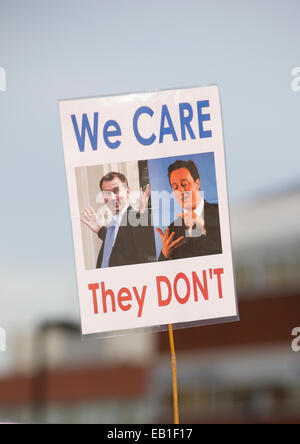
174 377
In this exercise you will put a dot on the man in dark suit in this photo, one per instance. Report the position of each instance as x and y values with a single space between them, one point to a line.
129 238
196 232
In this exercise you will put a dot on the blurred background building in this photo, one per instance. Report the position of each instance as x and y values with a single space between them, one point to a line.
234 373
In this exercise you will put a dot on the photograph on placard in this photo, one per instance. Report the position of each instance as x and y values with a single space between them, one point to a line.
115 213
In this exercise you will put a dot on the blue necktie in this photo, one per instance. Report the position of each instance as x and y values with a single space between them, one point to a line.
108 245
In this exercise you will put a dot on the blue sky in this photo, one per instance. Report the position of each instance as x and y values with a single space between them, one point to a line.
64 49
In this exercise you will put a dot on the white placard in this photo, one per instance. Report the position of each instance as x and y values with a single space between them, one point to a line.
153 274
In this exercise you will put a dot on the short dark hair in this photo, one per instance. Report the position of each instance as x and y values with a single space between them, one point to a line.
112 175
188 164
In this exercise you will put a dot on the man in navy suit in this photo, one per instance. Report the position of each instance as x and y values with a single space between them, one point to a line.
196 231
129 238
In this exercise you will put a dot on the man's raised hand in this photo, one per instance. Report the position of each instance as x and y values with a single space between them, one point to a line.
93 220
144 197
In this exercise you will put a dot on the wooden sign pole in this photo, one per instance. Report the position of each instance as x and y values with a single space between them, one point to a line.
174 377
